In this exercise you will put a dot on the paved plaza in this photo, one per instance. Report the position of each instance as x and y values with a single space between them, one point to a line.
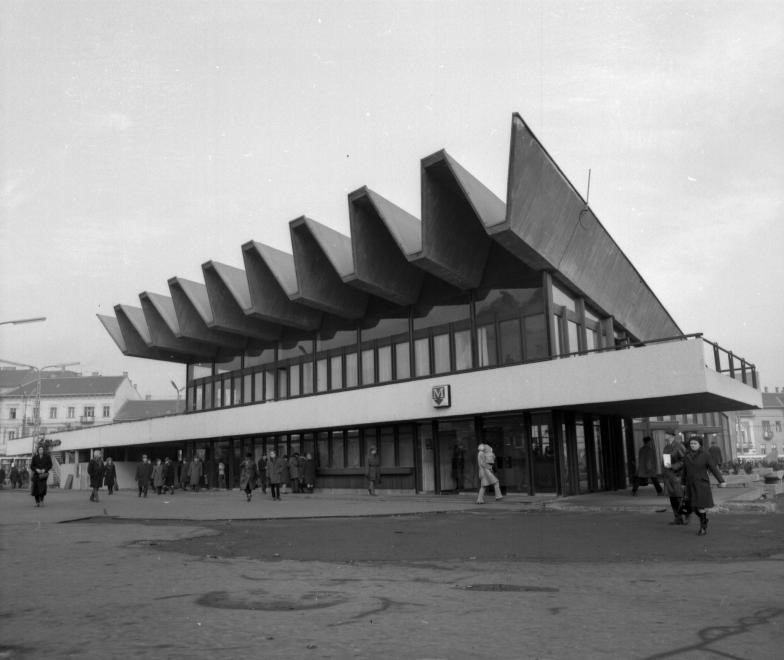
344 575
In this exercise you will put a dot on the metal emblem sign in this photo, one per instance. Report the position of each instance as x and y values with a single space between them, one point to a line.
442 396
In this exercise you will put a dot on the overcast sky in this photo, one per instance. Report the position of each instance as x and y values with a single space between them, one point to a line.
141 139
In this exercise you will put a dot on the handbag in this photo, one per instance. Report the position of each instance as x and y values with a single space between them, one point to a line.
43 476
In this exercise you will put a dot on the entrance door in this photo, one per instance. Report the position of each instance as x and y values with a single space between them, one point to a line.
457 456
507 437
543 453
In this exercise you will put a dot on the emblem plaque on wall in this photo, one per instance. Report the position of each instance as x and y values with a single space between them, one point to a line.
442 396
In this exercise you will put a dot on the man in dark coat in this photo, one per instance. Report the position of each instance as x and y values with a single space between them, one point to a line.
95 471
696 465
40 466
16 482
647 466
143 475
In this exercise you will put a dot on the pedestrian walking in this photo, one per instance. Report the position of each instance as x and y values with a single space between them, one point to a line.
672 471
715 451
248 475
221 475
309 472
485 459
696 465
95 472
185 470
110 475
16 481
143 475
294 473
373 470
157 476
647 467
195 473
262 471
275 468
169 475
40 466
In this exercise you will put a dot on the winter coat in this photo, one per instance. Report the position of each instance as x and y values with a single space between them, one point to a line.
38 484
696 465
486 476
293 468
110 474
275 468
646 461
195 473
671 476
373 467
309 471
168 474
95 469
157 475
143 473
247 474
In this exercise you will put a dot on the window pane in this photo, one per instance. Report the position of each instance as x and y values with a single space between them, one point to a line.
591 339
258 384
323 448
498 304
237 391
283 379
405 442
294 389
207 395
535 337
422 357
510 341
574 341
248 388
269 385
386 447
351 369
321 375
368 368
402 360
352 448
486 346
385 328
256 357
200 370
384 364
441 353
563 298
198 405
230 365
307 378
336 372
463 355
337 449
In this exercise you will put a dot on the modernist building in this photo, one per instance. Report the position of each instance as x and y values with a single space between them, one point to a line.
519 323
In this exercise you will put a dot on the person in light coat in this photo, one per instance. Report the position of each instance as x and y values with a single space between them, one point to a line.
484 463
157 476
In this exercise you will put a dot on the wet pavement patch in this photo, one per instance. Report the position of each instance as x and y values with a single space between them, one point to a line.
506 587
262 601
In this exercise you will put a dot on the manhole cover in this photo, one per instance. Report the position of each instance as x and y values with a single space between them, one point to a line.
506 587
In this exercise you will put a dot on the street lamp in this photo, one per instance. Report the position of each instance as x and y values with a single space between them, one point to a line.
178 389
18 321
37 418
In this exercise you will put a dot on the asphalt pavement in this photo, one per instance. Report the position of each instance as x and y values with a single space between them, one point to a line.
421 577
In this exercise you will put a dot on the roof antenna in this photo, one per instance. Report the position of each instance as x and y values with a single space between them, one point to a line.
587 198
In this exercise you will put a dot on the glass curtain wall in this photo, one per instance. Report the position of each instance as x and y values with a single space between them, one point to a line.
442 337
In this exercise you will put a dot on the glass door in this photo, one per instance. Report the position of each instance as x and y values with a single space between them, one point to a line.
507 437
543 453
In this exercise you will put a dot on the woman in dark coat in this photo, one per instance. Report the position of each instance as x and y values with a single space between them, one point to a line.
95 470
696 465
275 469
372 470
248 476
110 474
673 454
39 473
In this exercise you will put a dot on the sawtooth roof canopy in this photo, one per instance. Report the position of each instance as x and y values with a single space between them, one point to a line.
393 259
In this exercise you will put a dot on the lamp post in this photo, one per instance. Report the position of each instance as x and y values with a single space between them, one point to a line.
37 417
177 389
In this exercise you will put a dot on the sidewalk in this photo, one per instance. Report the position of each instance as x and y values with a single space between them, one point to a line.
69 505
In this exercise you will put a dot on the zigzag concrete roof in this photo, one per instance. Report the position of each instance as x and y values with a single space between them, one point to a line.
393 260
